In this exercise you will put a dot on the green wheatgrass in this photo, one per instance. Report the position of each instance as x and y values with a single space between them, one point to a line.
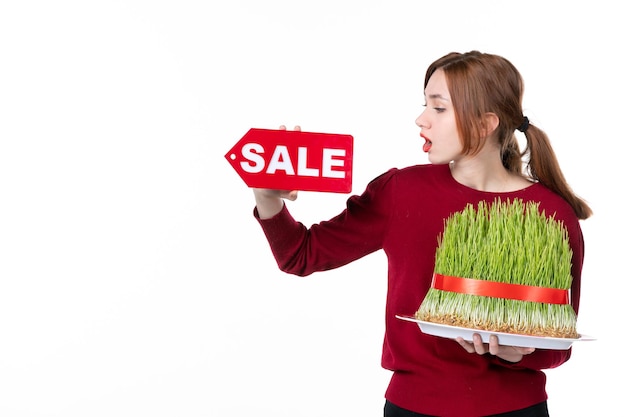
506 241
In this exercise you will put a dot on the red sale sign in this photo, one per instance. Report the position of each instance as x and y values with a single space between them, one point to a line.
292 160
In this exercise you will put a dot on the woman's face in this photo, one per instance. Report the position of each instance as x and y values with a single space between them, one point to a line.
437 122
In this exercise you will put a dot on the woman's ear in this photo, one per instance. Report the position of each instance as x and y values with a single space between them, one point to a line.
490 122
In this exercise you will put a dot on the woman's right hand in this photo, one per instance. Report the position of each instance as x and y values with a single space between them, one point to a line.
270 202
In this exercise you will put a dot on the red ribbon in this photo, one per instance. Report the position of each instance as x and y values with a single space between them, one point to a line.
500 289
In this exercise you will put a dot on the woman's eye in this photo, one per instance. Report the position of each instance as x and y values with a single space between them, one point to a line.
437 109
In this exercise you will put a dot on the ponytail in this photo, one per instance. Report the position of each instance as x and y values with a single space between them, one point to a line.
543 167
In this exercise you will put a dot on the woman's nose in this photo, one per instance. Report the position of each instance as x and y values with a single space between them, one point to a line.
422 120
419 122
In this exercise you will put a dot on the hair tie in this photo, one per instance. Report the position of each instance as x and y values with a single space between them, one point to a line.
524 126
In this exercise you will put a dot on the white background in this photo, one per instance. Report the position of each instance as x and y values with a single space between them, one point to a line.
134 280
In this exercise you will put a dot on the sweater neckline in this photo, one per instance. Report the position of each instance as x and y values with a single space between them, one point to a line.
465 188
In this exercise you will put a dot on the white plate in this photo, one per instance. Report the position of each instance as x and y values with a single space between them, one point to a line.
507 339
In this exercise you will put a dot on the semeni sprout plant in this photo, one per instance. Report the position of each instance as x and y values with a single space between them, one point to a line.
503 267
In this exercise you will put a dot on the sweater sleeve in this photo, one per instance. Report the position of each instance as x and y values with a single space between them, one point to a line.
538 360
357 231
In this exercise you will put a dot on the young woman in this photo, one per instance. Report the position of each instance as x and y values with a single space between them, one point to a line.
473 105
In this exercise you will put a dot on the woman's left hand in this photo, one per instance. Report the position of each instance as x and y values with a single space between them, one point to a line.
507 353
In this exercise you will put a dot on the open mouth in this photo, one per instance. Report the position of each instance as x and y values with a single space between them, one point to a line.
427 145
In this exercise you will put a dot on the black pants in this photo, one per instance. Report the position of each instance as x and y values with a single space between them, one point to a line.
539 410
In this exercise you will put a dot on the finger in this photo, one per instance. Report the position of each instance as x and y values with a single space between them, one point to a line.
478 344
465 345
297 128
282 127
292 195
494 344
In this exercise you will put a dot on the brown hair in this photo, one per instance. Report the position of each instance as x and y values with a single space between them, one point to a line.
481 83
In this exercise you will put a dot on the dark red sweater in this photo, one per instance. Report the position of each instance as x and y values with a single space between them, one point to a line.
402 212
